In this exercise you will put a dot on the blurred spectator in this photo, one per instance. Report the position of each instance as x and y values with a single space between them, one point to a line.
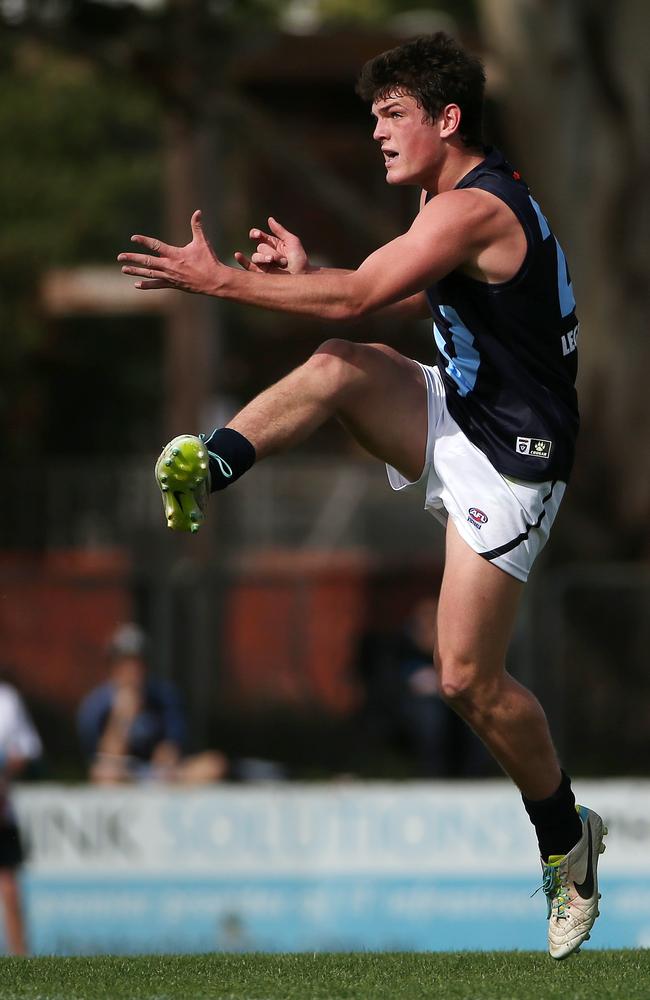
20 745
402 705
132 727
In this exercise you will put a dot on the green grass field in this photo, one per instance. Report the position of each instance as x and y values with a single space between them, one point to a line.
595 975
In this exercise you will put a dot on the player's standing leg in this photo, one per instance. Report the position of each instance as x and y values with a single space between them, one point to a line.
476 614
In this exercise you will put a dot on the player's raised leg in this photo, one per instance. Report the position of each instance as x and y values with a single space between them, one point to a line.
350 381
476 614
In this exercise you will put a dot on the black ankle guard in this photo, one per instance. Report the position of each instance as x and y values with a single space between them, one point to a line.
230 454
555 819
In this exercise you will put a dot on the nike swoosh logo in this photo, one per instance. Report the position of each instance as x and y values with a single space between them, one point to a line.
586 889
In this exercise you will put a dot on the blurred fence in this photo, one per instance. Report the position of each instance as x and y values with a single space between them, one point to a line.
265 608
297 502
590 626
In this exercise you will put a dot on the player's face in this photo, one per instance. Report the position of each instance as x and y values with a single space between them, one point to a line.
410 143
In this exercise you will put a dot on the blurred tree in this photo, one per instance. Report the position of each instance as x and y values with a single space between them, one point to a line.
574 80
79 160
372 12
92 92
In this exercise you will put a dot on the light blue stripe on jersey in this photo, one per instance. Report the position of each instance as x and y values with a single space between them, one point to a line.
564 286
541 218
463 368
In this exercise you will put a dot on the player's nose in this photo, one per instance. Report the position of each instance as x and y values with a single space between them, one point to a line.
380 131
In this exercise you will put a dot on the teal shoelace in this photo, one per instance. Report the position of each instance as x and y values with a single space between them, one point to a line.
554 891
221 462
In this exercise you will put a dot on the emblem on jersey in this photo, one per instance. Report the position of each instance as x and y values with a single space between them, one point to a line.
537 447
477 517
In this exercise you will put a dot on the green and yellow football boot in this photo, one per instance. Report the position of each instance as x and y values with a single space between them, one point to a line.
183 475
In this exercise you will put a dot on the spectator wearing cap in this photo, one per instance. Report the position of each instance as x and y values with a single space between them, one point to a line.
132 727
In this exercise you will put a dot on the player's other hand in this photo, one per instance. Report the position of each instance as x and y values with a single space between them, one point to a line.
192 268
276 252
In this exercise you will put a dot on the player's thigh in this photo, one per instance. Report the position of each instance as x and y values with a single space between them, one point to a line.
476 615
384 404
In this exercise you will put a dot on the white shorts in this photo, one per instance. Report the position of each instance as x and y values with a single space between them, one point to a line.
505 520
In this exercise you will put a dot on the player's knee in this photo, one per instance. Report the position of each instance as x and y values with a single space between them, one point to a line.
335 351
462 684
337 363
457 687
341 369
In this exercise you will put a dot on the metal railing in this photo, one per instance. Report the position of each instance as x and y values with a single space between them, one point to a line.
296 503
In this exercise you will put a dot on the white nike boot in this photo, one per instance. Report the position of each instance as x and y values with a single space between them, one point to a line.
570 882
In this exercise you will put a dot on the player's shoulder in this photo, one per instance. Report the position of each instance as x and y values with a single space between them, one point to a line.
466 208
467 198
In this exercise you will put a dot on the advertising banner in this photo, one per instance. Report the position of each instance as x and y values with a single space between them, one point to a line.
288 867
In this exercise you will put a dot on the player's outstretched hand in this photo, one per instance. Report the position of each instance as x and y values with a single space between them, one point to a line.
277 252
192 268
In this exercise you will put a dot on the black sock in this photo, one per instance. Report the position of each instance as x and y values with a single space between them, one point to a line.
557 824
230 456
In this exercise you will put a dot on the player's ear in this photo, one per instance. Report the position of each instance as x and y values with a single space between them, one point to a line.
449 119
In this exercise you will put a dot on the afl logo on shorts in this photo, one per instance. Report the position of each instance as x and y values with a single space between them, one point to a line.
477 517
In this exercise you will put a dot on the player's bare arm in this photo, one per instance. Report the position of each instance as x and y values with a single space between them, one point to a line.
455 229
282 252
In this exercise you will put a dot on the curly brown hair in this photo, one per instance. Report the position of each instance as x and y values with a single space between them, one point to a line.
436 71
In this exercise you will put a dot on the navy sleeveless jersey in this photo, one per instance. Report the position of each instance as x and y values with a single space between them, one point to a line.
507 352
